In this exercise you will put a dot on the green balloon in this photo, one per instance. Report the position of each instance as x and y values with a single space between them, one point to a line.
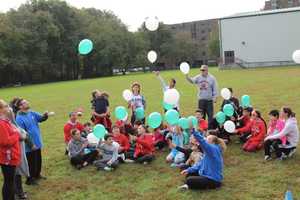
85 46
220 117
228 110
167 106
139 113
154 120
120 112
183 123
194 121
172 117
99 131
245 101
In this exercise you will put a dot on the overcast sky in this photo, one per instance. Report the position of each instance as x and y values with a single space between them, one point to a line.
133 12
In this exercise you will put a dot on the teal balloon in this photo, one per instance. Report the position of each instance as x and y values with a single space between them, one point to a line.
139 113
245 101
154 120
220 117
120 112
288 195
99 131
172 117
85 46
183 123
194 121
167 106
228 110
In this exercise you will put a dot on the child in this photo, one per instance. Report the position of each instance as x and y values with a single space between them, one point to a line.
219 131
121 139
87 129
194 157
109 151
175 137
138 101
203 124
243 124
159 141
276 125
233 101
78 151
100 108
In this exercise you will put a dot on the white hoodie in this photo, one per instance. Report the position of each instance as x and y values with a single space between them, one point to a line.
290 130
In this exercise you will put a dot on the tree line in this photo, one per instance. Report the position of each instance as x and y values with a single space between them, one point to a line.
38 43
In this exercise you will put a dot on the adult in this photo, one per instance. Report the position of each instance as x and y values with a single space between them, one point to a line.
208 172
29 121
73 123
165 87
10 154
291 132
208 91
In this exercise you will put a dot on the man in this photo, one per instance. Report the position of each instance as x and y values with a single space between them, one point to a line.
208 91
29 121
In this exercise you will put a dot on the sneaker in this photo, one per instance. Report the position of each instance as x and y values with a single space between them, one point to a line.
145 163
292 153
282 157
268 158
128 161
22 196
31 181
183 188
108 169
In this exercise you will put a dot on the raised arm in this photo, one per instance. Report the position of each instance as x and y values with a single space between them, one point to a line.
206 147
190 79
162 82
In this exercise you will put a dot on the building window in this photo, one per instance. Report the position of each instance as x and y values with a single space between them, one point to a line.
203 31
203 38
203 53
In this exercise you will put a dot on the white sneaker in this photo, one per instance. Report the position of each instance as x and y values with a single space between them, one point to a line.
183 187
145 163
128 161
122 156
108 169
267 158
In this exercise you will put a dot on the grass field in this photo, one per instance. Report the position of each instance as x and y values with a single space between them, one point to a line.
247 176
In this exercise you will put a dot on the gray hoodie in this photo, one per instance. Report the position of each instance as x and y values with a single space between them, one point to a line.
207 86
290 130
75 147
108 152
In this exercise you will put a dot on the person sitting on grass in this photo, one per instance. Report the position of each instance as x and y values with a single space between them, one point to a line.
122 140
175 137
202 123
218 130
87 129
159 138
233 101
291 132
109 150
207 173
275 126
79 153
258 129
243 125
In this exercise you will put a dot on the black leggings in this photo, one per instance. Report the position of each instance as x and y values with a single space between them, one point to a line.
196 182
275 144
161 144
8 172
18 185
34 159
145 158
80 159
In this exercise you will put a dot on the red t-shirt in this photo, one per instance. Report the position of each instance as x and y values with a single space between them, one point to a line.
70 126
123 141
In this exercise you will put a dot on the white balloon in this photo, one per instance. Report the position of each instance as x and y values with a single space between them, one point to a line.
296 56
152 56
127 95
229 126
92 139
184 67
152 23
51 113
171 96
225 93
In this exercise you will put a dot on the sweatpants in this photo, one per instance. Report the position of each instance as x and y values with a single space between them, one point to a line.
34 159
197 182
80 159
9 173
251 146
244 137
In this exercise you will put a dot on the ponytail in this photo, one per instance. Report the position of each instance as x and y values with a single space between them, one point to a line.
289 112
260 117
222 144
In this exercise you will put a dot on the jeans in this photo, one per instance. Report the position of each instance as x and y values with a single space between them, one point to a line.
208 109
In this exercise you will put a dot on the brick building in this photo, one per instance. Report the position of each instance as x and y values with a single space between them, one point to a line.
278 4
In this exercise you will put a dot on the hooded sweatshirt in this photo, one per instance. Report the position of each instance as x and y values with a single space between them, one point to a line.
75 147
275 127
108 152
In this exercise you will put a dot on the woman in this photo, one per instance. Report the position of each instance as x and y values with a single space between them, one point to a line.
208 172
10 154
291 132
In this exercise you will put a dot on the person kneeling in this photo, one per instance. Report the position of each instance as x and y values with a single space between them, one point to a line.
79 153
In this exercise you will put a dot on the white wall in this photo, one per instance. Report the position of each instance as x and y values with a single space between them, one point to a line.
268 38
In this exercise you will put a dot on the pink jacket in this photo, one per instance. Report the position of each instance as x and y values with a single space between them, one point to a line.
276 127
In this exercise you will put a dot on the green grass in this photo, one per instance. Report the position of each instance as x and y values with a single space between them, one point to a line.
247 176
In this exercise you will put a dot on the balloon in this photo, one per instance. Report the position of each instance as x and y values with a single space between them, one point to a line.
152 23
296 56
121 112
194 121
183 123
245 101
228 110
99 131
154 120
92 139
139 113
220 117
171 96
225 93
85 46
229 126
127 95
172 117
167 106
152 56
185 68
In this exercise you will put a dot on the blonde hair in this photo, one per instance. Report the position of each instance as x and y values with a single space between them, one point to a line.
2 103
220 142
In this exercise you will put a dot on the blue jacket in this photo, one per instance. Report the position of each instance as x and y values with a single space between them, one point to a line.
177 139
29 121
211 166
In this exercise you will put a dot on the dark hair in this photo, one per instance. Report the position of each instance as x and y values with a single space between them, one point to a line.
18 103
94 94
274 113
260 117
199 111
289 112
138 123
115 126
87 124
14 104
74 131
230 89
248 109
145 127
173 80
107 136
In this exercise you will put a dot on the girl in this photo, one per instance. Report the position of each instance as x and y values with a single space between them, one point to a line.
10 152
203 124
137 101
291 132
258 129
243 124
275 126
159 138
208 172
175 137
